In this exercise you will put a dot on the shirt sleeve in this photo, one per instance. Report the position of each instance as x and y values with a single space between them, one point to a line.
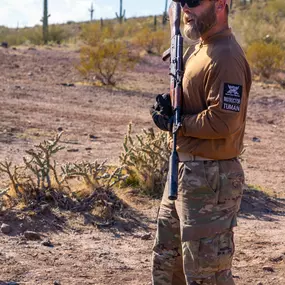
226 98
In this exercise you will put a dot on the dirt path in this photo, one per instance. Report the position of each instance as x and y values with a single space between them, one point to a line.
35 105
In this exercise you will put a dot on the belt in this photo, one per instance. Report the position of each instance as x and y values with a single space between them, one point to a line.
184 156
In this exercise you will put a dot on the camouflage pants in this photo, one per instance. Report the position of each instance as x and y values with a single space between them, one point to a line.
194 241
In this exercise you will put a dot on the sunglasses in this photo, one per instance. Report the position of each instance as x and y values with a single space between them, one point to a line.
190 3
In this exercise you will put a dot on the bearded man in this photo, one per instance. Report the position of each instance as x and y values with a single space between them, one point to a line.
194 241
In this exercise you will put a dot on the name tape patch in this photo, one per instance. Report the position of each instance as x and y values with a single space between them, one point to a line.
232 97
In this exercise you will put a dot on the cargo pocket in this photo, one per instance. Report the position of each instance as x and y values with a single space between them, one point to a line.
215 254
232 183
211 172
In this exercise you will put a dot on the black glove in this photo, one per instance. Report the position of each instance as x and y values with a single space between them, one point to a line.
163 122
163 104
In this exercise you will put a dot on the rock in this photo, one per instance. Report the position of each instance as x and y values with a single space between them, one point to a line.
29 235
92 137
276 258
5 229
268 268
4 45
44 209
73 150
47 242
146 236
259 283
256 139
60 129
56 283
67 84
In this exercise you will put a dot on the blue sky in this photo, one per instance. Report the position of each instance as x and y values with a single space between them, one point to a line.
29 12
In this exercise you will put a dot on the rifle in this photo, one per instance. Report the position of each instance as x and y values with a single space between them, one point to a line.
175 53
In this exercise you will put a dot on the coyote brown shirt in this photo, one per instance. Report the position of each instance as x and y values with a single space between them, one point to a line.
216 85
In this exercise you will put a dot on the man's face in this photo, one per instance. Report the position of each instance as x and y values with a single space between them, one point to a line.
199 20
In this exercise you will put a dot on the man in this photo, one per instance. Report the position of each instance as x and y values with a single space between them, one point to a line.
194 241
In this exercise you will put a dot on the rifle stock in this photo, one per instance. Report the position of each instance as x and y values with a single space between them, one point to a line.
176 75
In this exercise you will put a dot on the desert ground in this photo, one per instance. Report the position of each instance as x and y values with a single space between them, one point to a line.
43 93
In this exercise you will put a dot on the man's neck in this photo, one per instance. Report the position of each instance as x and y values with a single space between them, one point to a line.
215 30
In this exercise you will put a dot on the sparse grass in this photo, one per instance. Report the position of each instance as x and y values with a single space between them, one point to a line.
267 191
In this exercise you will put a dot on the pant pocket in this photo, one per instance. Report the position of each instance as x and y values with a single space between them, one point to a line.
215 254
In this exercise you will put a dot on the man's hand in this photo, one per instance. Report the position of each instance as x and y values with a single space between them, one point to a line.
162 113
163 104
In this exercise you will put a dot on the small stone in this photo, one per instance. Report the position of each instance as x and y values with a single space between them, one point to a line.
60 129
73 150
44 208
56 283
5 229
259 283
256 139
92 137
268 268
47 242
146 236
29 235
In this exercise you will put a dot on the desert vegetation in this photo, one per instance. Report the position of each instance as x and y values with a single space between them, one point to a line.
72 163
258 25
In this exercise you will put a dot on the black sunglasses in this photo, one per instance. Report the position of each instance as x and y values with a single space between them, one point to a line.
190 3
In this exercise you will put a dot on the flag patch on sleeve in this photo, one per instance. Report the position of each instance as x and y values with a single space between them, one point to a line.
232 97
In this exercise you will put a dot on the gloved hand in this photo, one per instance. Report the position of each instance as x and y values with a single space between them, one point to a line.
162 113
163 104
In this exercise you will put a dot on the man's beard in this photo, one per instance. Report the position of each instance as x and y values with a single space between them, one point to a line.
200 24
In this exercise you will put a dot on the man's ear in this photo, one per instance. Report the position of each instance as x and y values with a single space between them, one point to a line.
220 5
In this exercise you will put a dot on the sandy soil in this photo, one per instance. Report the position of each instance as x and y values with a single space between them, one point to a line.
35 104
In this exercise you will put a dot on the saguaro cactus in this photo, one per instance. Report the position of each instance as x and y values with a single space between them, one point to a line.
155 23
122 14
45 22
164 16
91 10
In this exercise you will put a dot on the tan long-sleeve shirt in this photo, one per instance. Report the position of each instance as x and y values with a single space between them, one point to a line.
216 87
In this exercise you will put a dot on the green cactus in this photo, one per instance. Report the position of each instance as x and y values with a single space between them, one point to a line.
121 17
164 16
91 10
145 159
155 23
45 22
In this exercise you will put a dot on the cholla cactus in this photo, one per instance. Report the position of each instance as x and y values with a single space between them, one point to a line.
40 161
97 175
146 160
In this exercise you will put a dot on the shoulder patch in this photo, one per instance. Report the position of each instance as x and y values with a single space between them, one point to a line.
232 97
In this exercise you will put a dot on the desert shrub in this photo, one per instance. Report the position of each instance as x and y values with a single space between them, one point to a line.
265 58
259 20
42 180
57 34
104 54
152 41
145 159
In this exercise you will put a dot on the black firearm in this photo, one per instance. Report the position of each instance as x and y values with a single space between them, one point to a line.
175 53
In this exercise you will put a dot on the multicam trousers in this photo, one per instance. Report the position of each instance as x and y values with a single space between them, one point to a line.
194 241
